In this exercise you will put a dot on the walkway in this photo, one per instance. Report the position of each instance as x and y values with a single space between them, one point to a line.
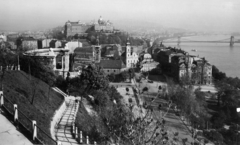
174 124
63 132
9 134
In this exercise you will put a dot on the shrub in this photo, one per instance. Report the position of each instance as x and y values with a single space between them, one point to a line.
145 89
130 100
127 90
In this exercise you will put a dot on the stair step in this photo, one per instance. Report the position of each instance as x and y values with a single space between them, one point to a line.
64 127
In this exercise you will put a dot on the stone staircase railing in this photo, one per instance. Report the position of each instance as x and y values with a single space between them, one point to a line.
59 91
77 134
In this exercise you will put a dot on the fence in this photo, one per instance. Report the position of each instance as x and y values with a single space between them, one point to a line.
76 133
38 135
10 67
30 126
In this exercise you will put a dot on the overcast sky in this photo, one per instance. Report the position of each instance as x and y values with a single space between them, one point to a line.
217 15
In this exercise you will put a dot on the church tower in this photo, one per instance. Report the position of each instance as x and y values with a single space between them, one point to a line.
97 52
128 54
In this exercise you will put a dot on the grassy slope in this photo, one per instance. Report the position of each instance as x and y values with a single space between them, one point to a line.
19 88
87 124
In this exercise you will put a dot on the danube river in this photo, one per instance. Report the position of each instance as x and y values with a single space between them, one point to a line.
226 58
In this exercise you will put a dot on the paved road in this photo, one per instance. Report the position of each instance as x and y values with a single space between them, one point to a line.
65 125
9 135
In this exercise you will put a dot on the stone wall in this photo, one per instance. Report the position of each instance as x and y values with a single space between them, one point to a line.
56 118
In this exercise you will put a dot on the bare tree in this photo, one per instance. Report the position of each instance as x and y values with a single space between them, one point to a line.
142 124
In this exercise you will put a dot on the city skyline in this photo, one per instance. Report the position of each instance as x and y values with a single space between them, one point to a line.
213 15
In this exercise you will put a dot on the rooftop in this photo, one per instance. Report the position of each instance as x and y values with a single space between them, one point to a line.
111 64
83 49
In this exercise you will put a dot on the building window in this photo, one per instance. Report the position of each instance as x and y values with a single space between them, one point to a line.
59 62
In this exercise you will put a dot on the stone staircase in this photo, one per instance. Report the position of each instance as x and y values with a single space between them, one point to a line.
67 121
66 133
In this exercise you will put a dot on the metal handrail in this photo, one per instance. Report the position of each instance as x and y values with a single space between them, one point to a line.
27 118
24 115
23 124
5 106
9 100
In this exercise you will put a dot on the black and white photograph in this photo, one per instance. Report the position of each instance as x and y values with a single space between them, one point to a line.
119 72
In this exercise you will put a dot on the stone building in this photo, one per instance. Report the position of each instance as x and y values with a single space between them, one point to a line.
96 53
55 44
103 26
129 57
13 44
180 64
80 28
72 45
57 58
201 71
147 63
83 56
28 43
44 43
73 28
112 66
111 51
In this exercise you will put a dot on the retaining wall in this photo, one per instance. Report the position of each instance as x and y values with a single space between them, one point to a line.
56 118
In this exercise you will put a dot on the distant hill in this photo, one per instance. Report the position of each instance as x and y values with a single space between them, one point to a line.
34 98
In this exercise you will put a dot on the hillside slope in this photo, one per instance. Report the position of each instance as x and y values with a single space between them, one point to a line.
34 98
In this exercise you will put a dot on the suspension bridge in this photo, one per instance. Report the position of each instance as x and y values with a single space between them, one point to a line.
179 40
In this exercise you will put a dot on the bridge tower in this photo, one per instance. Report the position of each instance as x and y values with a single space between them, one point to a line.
179 41
231 41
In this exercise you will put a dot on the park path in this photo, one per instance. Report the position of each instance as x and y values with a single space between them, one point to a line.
175 124
63 131
9 134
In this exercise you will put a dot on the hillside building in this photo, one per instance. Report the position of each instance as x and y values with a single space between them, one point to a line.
103 26
73 28
80 28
